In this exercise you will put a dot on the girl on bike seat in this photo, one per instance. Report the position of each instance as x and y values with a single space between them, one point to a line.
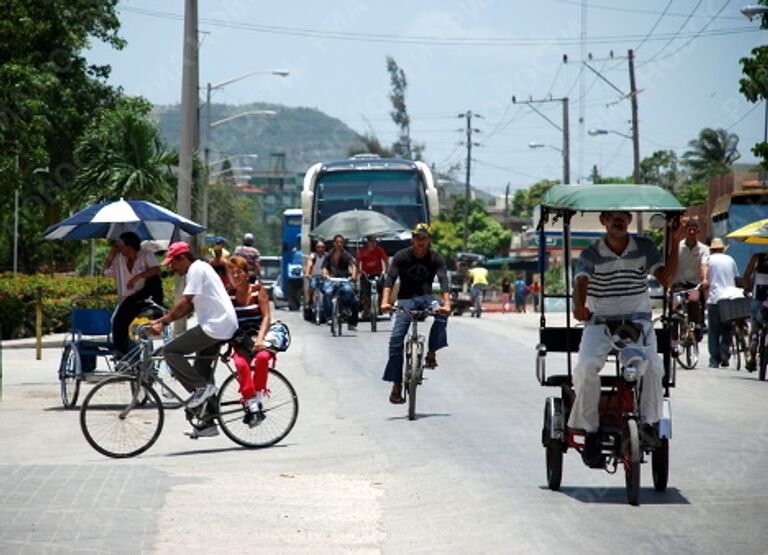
251 358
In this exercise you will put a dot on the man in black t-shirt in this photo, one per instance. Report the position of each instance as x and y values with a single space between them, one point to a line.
416 266
340 264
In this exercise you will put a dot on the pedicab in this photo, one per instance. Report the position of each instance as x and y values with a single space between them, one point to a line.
620 441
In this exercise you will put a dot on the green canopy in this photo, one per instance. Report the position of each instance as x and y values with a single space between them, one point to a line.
598 198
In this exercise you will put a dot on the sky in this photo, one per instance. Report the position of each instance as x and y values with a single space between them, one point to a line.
468 55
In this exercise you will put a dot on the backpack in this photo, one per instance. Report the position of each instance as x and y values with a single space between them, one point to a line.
278 337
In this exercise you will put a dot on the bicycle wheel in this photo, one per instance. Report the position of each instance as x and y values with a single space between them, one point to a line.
335 317
630 454
279 413
554 463
373 309
412 384
115 424
660 465
738 349
318 307
70 384
688 350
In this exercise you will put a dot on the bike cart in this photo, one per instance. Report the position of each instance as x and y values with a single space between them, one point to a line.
619 437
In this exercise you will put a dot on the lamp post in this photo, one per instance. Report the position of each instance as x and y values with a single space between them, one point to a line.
209 88
534 144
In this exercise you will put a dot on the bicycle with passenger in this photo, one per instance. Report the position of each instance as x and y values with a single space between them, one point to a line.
611 285
416 267
339 263
217 322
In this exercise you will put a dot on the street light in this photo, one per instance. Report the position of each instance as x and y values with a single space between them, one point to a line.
209 88
243 114
534 144
752 10
596 132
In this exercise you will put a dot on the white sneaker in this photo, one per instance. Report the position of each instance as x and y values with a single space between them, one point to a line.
201 395
209 431
254 414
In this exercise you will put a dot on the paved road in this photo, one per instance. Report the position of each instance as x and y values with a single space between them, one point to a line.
355 476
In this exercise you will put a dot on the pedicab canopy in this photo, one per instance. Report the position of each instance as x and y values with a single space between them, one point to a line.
599 198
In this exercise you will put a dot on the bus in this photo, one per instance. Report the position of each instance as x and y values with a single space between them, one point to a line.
404 190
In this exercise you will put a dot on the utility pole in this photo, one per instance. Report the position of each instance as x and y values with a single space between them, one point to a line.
595 174
635 128
506 207
565 130
467 189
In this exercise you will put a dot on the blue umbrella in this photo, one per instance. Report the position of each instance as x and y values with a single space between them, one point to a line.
110 219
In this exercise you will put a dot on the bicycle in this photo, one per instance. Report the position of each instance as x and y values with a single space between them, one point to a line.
338 315
317 304
123 416
739 338
414 356
683 330
373 299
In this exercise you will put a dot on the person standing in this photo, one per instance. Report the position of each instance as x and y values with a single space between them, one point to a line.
520 293
137 276
506 285
536 294
416 267
217 258
721 276
205 294
478 279
251 255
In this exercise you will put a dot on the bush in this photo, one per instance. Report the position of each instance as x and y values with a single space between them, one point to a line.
59 294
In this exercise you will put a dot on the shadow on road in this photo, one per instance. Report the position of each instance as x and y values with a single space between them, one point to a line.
420 416
618 495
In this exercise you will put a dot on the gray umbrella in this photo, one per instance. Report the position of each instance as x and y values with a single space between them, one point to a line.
357 224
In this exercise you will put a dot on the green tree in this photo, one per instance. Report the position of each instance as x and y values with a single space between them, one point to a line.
230 213
48 96
486 236
712 153
661 169
370 145
692 194
754 85
122 155
399 113
525 200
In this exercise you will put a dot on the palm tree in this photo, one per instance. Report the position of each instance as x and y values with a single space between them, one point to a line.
712 153
122 155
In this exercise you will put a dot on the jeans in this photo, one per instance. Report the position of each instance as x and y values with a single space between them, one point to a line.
346 296
438 335
718 336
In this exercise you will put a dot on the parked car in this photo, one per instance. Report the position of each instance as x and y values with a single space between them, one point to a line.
656 291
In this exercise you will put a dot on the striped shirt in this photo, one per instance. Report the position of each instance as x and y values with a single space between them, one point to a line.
251 255
618 284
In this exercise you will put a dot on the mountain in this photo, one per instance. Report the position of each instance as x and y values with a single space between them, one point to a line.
304 135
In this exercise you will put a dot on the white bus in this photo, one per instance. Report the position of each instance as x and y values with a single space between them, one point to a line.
404 190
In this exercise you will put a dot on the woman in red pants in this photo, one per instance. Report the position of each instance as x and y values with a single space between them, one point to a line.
251 356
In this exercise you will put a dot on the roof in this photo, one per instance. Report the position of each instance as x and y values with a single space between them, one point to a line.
599 198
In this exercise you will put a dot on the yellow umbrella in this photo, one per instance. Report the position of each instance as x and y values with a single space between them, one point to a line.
754 233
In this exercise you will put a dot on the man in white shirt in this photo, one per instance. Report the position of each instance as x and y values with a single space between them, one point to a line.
722 275
205 294
692 271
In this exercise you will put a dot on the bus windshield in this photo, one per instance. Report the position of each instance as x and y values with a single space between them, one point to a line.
397 194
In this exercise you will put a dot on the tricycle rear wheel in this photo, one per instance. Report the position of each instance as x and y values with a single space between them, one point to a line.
660 465
631 459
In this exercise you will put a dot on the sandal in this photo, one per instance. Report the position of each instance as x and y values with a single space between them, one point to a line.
396 397
430 361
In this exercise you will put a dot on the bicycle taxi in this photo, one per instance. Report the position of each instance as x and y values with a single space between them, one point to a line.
619 438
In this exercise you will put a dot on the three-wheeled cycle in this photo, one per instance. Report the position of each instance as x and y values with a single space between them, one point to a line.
569 219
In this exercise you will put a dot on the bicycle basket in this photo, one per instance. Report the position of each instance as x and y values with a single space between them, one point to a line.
278 337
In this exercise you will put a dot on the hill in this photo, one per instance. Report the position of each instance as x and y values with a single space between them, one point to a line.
305 135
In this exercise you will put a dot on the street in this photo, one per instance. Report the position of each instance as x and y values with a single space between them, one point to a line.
355 476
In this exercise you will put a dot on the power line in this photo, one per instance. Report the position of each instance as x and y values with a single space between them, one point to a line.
661 16
679 30
426 39
738 121
635 10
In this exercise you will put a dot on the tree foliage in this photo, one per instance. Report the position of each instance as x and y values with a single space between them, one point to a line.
754 86
525 200
48 96
122 155
711 153
661 168
486 236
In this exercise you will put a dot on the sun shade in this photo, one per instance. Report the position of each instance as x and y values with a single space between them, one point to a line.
599 198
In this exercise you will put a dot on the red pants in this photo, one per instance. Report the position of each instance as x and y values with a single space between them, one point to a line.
252 378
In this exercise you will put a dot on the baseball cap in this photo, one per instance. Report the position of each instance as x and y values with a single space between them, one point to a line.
422 230
177 248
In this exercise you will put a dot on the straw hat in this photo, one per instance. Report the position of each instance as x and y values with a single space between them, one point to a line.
717 245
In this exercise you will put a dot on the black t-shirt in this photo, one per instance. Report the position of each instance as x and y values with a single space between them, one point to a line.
416 274
342 269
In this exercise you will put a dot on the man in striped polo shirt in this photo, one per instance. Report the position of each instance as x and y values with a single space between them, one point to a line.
611 282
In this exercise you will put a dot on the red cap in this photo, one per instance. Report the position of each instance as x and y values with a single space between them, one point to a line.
180 247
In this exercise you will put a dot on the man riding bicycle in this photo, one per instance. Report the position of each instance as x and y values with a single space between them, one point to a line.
755 281
371 261
416 266
205 294
340 264
693 259
314 269
611 283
